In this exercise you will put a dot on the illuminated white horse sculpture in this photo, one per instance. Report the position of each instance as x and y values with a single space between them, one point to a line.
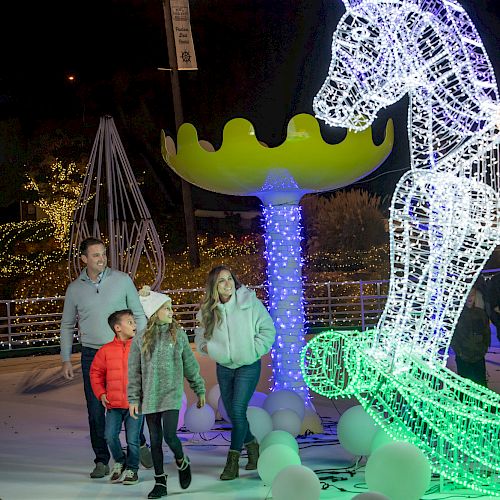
444 226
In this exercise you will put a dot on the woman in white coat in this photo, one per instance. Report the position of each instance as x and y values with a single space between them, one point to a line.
235 331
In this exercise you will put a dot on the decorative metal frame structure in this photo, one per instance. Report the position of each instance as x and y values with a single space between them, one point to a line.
444 225
279 176
111 208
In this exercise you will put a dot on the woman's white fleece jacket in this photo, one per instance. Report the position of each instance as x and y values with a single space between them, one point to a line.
245 333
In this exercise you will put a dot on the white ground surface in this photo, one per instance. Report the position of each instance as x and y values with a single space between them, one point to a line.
45 450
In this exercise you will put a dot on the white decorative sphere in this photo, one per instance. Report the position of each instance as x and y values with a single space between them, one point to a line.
285 399
257 399
381 438
222 411
259 421
399 470
274 459
296 482
287 420
356 430
182 411
370 495
311 423
199 419
213 396
279 437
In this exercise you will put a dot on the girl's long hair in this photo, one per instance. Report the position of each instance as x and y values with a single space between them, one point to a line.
152 334
210 314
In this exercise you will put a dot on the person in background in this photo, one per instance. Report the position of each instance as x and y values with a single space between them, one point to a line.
471 339
91 298
235 330
109 379
160 358
493 301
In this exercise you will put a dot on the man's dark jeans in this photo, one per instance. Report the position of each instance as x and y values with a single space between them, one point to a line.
96 411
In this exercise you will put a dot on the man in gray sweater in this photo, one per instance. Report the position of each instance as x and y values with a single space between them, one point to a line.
98 292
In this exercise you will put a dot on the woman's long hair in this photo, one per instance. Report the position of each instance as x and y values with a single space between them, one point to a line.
152 333
210 314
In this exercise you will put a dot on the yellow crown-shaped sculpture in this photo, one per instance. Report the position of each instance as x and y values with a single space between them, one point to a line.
303 163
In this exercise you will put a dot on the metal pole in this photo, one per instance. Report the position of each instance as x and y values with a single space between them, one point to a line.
362 302
192 241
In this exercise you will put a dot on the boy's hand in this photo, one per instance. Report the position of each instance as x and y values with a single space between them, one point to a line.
201 401
104 400
134 411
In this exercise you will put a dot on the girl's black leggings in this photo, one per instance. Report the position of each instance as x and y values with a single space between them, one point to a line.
163 425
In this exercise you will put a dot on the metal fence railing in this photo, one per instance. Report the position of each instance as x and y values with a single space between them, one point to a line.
350 304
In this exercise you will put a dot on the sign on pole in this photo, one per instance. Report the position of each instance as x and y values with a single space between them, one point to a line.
184 47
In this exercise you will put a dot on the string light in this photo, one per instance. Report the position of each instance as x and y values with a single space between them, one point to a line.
58 197
444 226
284 281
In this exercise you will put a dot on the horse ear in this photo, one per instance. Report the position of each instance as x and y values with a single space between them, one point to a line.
349 4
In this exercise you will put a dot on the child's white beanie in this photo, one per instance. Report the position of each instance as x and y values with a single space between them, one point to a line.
152 301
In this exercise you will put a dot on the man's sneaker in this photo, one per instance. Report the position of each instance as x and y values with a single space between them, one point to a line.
145 457
116 472
130 477
100 470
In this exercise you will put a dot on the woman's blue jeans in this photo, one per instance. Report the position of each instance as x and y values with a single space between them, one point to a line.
237 386
114 419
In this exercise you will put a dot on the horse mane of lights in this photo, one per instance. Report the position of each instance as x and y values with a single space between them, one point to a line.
444 225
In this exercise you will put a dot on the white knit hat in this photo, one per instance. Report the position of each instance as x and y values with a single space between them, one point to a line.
152 301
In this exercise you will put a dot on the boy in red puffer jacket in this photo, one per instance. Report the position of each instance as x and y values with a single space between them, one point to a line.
109 379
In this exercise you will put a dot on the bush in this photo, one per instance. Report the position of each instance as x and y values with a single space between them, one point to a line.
344 222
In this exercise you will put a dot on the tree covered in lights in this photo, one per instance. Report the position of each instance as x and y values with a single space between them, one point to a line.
55 190
443 227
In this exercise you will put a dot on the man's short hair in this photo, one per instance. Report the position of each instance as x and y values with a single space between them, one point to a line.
88 242
117 316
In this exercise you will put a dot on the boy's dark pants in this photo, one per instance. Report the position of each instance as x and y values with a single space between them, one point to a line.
96 411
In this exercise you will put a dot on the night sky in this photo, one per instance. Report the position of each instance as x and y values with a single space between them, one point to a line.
260 59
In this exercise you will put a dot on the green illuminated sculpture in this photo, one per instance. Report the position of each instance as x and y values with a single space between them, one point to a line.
444 226
454 421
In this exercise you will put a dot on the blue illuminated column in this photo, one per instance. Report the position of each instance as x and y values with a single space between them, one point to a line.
286 305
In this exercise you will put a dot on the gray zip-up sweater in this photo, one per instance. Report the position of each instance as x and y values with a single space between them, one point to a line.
156 384
92 305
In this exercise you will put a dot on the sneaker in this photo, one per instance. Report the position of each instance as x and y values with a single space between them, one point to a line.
116 472
145 457
130 477
100 470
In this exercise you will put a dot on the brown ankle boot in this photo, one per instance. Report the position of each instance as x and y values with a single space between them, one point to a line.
231 470
253 455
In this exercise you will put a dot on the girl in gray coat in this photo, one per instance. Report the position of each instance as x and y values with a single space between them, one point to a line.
159 359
